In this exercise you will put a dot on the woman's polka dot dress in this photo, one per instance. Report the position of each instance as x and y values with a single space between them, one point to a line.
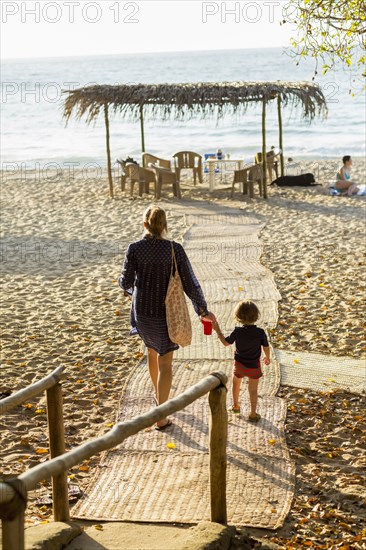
145 276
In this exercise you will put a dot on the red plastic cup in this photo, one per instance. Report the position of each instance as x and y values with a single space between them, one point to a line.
207 327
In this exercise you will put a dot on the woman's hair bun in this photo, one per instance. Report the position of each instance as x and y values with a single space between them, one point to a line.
155 220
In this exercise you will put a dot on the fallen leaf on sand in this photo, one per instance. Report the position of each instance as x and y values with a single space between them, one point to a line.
98 527
272 441
296 361
41 451
170 445
84 468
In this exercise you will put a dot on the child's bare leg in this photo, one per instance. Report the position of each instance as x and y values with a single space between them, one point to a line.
236 390
253 394
152 361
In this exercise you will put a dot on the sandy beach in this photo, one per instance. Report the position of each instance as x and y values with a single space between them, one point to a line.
63 244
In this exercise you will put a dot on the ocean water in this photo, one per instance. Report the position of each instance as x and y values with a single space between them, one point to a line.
33 130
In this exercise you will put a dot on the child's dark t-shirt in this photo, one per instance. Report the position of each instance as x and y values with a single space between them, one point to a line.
248 342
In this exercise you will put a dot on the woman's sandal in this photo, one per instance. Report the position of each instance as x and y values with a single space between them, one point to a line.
254 418
162 428
235 409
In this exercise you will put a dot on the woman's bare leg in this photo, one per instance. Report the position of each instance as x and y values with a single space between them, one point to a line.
164 380
152 362
342 185
253 394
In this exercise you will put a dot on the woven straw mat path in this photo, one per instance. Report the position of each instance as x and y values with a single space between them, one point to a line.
143 480
320 372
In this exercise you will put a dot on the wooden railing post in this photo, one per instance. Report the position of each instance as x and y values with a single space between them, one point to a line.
218 441
13 533
56 431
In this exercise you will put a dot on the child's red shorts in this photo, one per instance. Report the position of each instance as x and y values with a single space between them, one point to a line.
241 370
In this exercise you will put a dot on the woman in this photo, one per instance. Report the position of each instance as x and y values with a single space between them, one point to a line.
344 182
145 277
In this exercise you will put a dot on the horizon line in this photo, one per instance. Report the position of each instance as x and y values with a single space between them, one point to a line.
141 53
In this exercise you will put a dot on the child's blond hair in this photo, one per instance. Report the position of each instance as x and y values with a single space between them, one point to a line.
246 312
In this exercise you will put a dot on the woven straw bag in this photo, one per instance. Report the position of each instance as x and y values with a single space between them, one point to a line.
177 314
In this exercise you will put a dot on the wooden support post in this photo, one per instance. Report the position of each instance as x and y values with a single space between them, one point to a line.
264 152
57 447
280 142
109 163
218 441
13 533
142 128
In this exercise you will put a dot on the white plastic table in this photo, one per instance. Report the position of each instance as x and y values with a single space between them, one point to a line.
211 162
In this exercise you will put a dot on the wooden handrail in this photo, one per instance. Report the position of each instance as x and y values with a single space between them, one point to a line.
113 437
13 526
215 384
31 391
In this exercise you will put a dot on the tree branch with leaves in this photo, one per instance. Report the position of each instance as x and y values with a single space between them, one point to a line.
329 31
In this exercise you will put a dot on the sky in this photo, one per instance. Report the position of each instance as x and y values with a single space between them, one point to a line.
73 28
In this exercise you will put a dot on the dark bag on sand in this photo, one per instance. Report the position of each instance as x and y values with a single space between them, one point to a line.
301 180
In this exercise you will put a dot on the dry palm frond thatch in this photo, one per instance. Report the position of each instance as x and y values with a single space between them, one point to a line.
200 99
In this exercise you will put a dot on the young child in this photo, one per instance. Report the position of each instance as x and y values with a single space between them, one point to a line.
249 340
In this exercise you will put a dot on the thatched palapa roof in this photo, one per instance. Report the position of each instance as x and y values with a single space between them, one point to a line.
190 100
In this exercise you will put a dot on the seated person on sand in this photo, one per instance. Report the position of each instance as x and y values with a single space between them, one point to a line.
344 182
